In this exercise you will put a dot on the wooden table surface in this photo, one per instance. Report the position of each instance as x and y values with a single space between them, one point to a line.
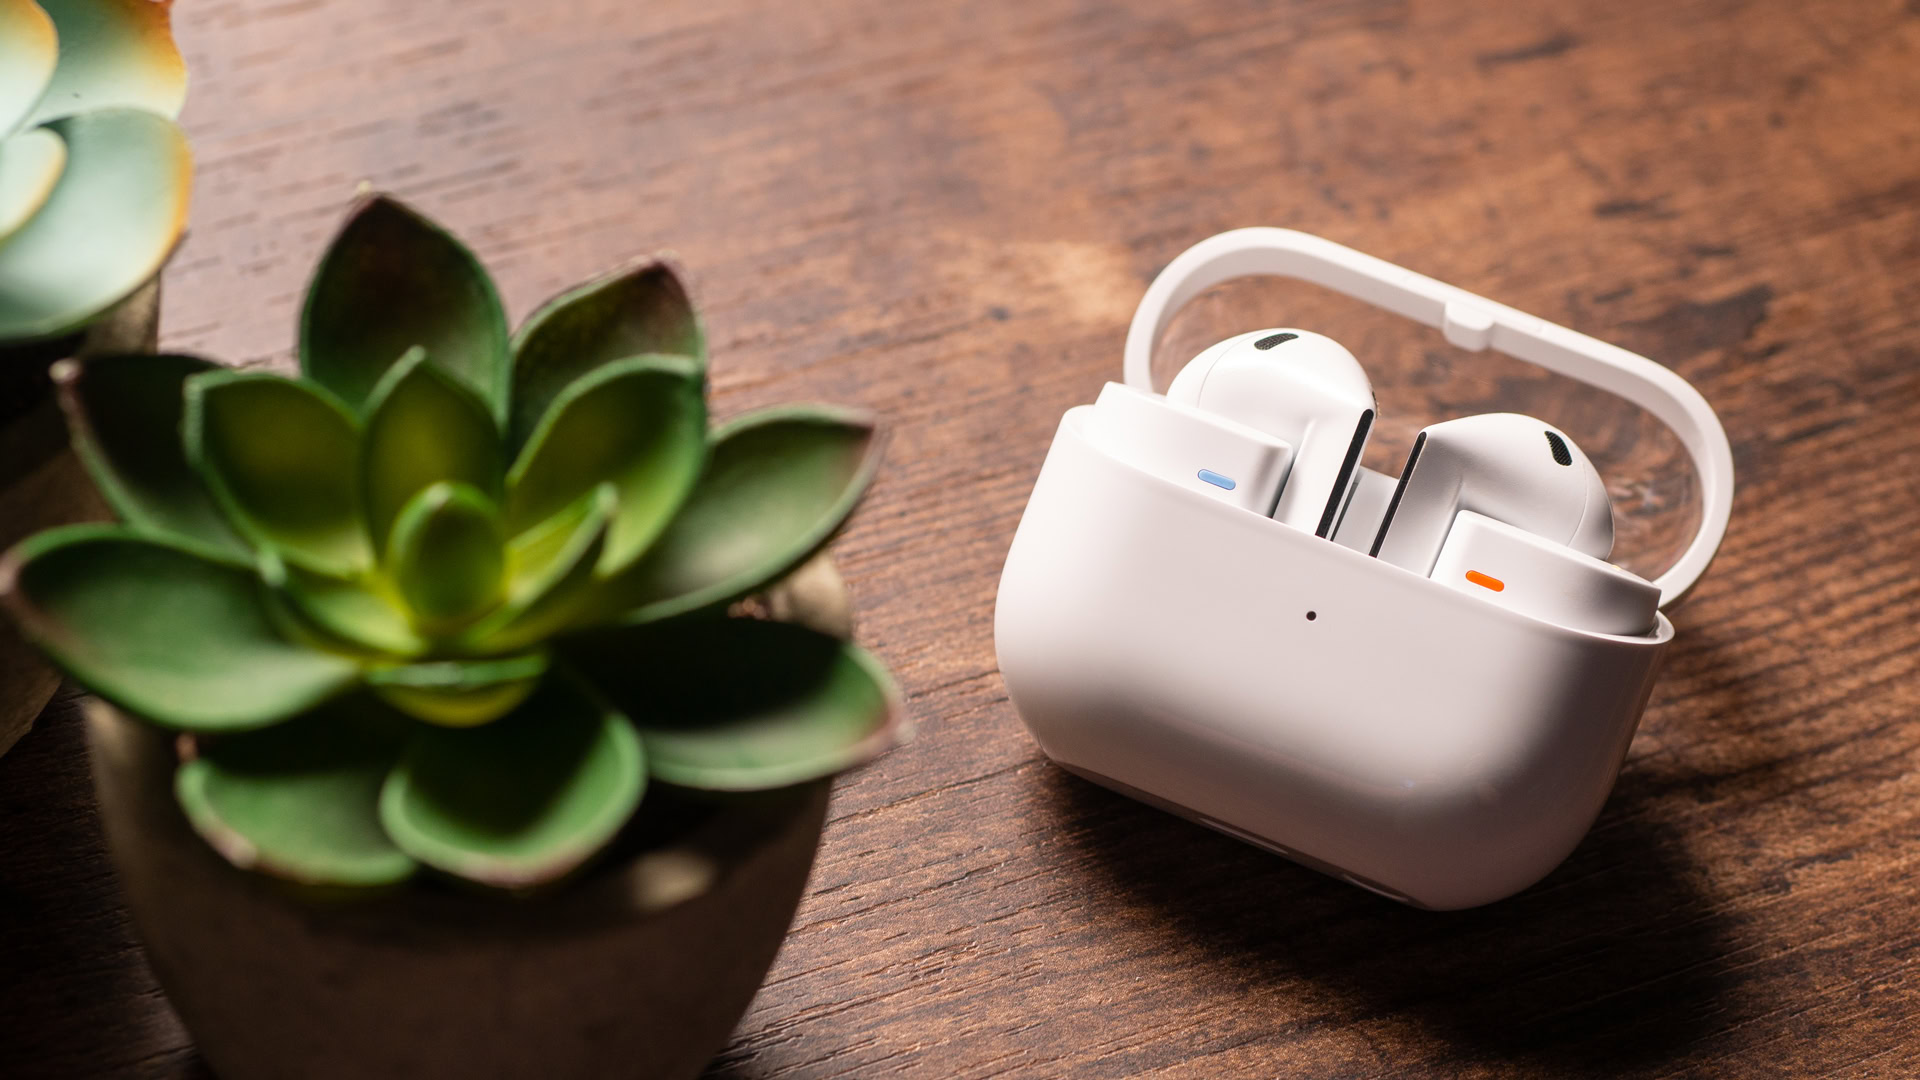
946 212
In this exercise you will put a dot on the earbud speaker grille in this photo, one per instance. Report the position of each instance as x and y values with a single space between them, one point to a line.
1561 455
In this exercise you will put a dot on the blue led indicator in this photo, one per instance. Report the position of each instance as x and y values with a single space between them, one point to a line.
1214 478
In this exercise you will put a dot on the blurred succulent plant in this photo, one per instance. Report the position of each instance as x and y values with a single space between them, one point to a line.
94 173
449 597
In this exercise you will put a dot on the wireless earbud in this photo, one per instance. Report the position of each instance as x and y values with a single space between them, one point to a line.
1506 466
1507 508
1303 388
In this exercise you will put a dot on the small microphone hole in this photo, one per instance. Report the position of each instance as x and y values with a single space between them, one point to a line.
1312 615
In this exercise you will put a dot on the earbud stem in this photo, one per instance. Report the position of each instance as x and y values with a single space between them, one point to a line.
1515 569
1209 454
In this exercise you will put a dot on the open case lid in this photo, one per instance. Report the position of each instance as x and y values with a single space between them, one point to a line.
1470 322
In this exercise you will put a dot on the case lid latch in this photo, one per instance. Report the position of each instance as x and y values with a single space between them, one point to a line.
1467 326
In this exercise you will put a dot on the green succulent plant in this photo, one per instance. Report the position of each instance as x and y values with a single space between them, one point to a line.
94 173
449 598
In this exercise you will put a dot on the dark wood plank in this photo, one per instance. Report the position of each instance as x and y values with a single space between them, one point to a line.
947 212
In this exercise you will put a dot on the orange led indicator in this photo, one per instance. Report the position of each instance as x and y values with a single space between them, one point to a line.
1484 581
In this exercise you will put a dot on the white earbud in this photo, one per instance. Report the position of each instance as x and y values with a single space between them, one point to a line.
1509 467
1507 508
1302 388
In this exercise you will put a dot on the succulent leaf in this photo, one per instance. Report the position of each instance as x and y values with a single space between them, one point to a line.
301 800
29 49
522 801
448 557
30 165
551 575
743 704
280 456
157 628
113 53
109 223
539 553
636 310
778 484
460 693
124 415
422 428
355 615
639 424
392 280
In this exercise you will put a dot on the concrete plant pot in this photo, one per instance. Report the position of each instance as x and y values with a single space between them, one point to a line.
639 968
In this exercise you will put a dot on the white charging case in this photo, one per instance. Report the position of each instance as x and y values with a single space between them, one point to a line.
1297 694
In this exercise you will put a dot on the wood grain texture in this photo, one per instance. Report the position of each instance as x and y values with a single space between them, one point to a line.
946 212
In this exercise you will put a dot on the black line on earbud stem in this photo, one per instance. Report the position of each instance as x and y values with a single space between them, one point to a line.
1561 455
1399 490
1340 520
1346 474
1271 340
